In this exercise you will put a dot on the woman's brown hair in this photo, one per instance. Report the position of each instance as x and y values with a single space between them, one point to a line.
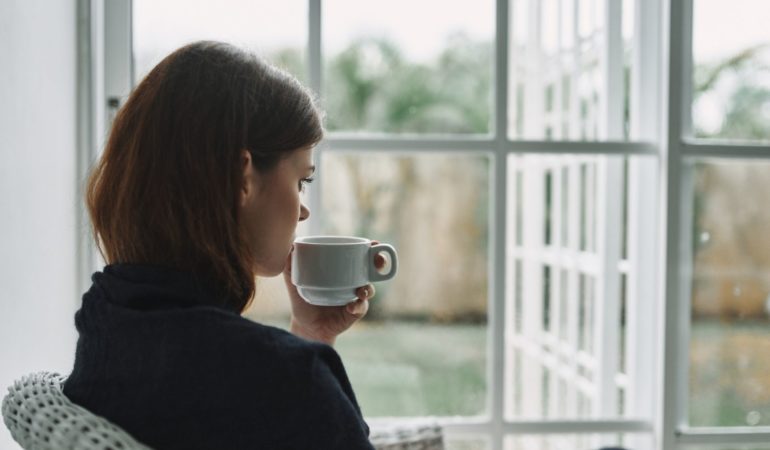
165 191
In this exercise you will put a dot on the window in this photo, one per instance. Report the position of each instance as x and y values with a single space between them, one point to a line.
575 273
717 195
160 28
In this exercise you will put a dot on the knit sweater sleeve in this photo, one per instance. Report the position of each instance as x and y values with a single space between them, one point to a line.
332 418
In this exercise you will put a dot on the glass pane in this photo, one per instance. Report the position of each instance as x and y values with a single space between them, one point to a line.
731 75
636 441
585 313
626 211
730 337
275 30
519 296
555 348
547 312
421 350
563 302
557 79
408 67
623 323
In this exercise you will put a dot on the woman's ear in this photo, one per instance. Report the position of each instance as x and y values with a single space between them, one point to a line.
249 183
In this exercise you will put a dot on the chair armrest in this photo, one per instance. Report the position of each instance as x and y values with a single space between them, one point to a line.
410 434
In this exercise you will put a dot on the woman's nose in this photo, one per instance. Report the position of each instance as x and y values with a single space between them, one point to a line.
304 213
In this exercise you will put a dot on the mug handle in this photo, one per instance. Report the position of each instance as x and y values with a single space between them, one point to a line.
374 274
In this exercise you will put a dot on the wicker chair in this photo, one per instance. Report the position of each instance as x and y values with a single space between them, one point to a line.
40 417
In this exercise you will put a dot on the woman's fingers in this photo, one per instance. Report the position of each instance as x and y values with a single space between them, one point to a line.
379 261
359 307
365 292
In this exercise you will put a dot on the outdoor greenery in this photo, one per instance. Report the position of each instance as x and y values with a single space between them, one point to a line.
417 369
371 86
739 78
730 374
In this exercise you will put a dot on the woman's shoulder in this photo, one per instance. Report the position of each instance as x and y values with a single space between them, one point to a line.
252 336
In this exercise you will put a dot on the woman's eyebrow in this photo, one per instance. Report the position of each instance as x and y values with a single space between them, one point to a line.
311 169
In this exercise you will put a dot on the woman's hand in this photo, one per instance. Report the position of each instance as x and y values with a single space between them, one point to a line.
325 323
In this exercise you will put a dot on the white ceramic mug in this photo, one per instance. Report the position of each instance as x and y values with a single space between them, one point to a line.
327 270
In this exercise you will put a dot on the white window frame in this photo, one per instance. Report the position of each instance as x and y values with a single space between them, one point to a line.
676 148
662 65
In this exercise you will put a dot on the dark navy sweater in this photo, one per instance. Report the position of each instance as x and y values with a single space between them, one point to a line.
157 360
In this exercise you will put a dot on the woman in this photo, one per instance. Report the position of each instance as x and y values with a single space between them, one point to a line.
197 192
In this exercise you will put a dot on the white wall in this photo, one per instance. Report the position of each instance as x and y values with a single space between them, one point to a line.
37 189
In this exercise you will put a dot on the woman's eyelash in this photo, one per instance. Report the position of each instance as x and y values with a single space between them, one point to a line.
303 182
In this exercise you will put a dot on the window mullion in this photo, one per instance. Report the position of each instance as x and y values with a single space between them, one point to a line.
315 73
577 426
721 437
707 149
532 324
609 205
496 298
646 74
314 62
611 63
88 36
118 70
607 305
533 99
500 101
642 254
674 355
573 275
112 53
643 231
574 101
497 244
342 142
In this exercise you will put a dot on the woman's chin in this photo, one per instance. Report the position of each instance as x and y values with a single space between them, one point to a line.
270 271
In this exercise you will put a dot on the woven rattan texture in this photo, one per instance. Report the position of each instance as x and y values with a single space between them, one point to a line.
40 417
425 436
